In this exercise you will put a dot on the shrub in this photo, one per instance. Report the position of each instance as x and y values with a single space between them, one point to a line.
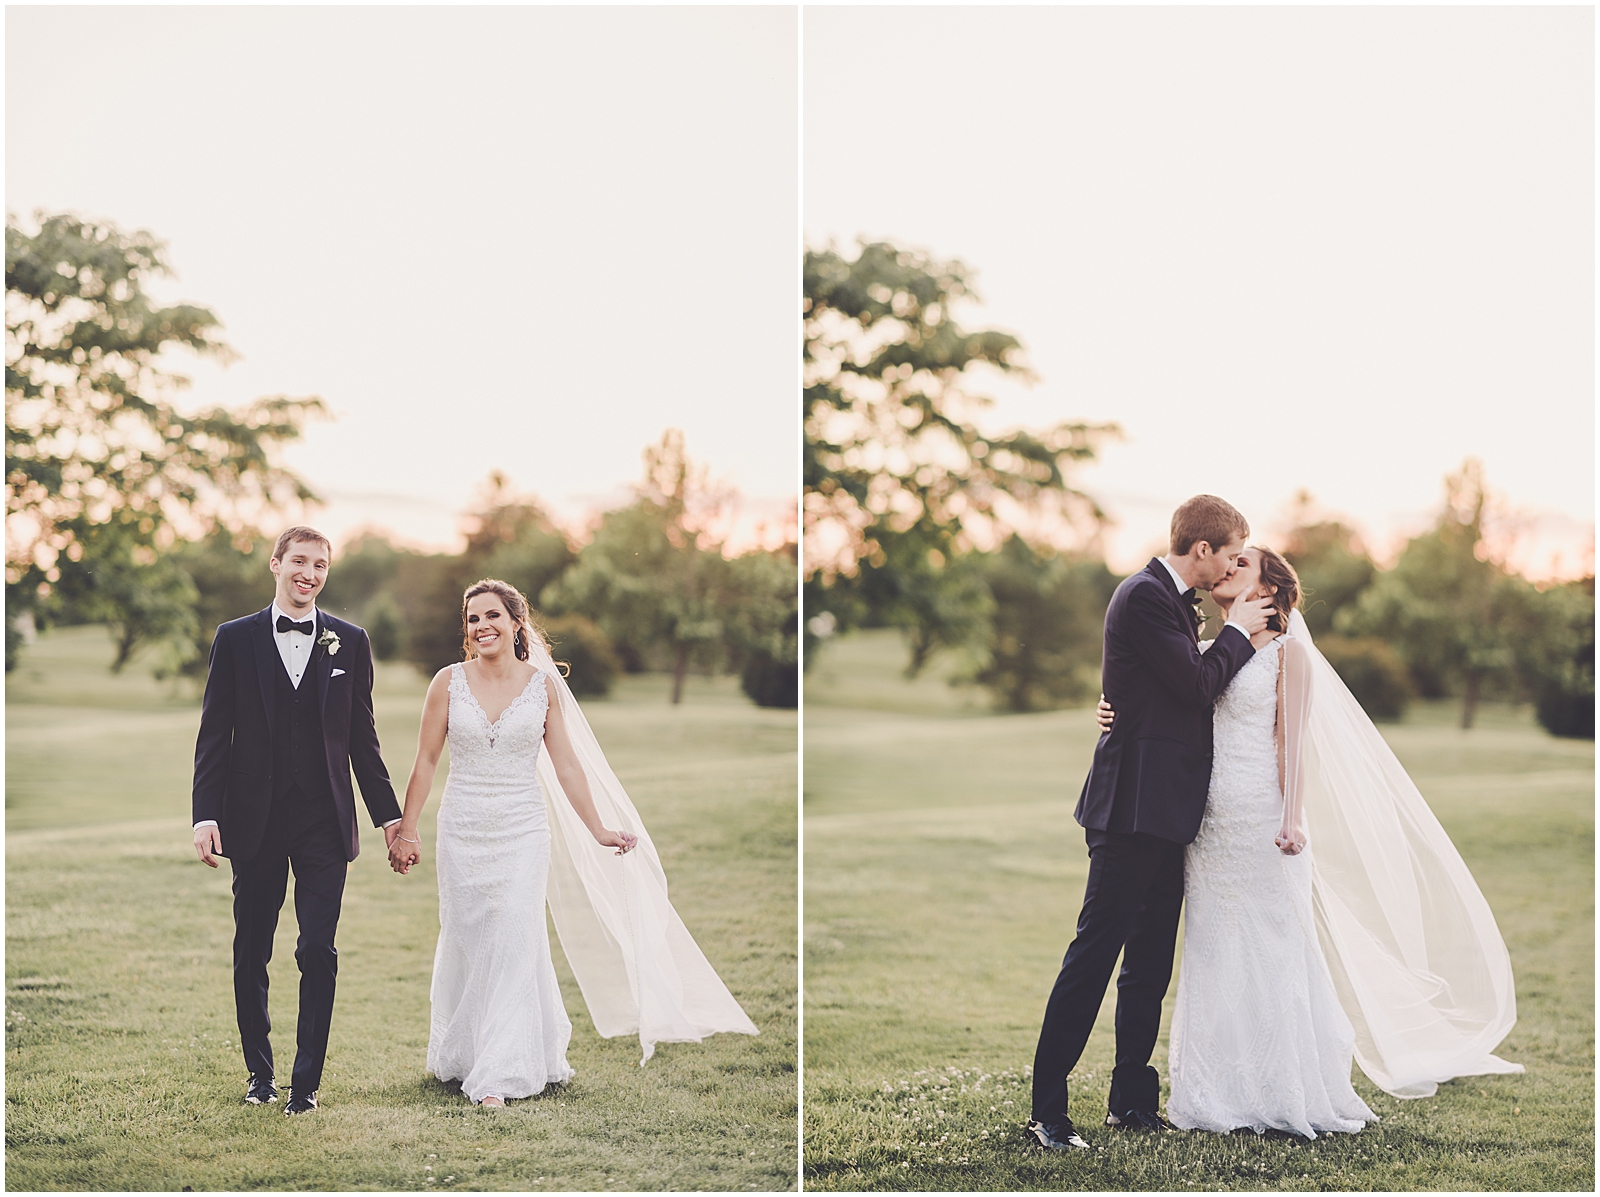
587 653
1563 713
1048 621
385 629
1373 672
771 683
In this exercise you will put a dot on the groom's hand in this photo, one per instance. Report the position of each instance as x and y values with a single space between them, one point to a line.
1250 614
1104 715
207 844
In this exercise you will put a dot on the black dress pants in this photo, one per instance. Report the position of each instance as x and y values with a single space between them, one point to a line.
1131 906
303 834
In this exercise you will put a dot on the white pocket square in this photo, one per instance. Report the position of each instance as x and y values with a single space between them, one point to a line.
335 674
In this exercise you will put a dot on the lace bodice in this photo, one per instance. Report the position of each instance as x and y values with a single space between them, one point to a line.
505 751
1244 725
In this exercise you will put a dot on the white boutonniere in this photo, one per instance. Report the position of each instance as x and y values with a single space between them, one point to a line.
330 641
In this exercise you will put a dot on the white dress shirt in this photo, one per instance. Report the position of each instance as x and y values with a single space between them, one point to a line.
1183 587
294 646
294 650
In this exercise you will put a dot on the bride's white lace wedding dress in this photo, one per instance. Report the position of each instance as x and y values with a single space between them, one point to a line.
1258 1035
499 1025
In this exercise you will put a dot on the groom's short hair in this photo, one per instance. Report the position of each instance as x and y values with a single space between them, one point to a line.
299 532
1208 518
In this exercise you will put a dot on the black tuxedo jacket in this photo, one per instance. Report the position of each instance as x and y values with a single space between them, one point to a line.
1152 770
233 754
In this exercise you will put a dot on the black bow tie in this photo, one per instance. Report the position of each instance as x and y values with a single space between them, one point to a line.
1188 596
285 624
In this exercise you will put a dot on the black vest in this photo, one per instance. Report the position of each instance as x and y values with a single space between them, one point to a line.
298 754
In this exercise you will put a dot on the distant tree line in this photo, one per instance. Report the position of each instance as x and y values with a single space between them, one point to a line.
642 594
122 510
915 519
1449 619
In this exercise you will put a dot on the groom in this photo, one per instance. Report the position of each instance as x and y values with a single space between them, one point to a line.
1141 804
287 715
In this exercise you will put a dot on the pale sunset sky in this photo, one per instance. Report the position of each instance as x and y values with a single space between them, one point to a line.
1337 249
524 239
1330 248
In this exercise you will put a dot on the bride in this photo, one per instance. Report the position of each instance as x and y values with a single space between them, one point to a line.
517 825
1327 914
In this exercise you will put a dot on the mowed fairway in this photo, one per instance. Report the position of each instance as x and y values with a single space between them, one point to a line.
943 876
122 1061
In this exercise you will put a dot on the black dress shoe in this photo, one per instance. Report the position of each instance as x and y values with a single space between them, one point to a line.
1056 1136
262 1092
298 1104
1139 1120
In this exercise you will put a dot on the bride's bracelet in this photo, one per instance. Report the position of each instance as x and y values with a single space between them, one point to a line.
407 839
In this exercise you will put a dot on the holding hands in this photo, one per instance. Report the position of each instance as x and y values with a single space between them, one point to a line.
405 846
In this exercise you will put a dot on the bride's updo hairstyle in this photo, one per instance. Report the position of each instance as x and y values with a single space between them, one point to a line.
516 607
1275 571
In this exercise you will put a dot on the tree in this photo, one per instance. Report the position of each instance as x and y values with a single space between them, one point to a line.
898 478
1049 615
579 645
509 537
231 578
1333 565
515 540
1372 671
762 617
1558 661
362 577
1451 611
140 602
103 470
653 574
385 629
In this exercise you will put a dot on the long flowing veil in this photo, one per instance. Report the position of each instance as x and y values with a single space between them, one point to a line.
1416 957
638 966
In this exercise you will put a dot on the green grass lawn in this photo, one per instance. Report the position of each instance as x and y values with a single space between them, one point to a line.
122 1065
943 877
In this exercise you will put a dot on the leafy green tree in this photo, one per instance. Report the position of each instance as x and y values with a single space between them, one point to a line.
231 578
1558 659
1044 645
362 577
898 476
580 645
515 540
652 576
1333 565
385 629
428 588
103 470
140 602
509 537
1373 672
1452 612
762 617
